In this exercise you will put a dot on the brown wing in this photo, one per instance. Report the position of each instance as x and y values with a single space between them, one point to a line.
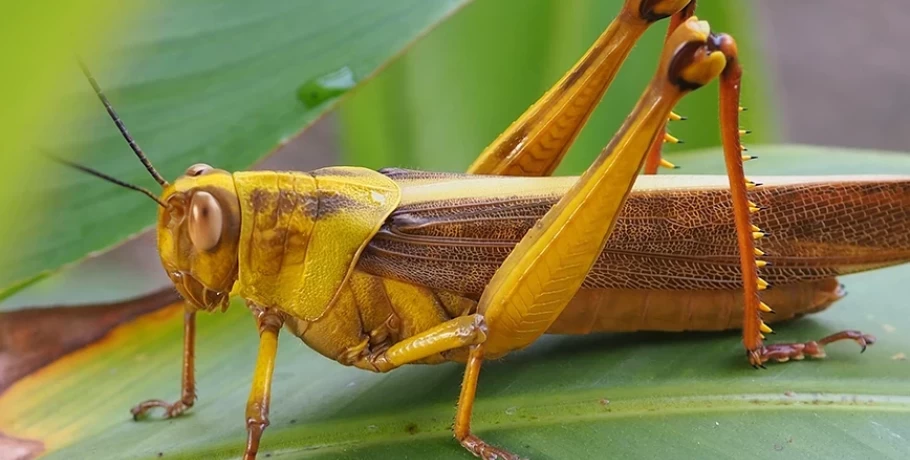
675 236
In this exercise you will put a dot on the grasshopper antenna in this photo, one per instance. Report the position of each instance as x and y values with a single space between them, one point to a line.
101 175
126 135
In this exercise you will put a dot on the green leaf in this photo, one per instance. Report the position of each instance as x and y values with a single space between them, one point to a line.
453 93
644 395
31 86
195 82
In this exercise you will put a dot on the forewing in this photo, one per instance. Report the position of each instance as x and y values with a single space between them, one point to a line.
675 232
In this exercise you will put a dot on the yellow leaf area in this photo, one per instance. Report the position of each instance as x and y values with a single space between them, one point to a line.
80 403
85 384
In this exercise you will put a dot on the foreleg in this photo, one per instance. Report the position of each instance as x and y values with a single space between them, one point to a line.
188 380
257 406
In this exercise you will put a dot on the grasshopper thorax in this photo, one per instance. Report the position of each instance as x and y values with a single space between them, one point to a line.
198 234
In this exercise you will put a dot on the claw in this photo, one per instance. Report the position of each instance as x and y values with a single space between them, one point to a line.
783 352
170 410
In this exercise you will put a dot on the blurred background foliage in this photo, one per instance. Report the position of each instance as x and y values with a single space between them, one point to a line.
456 90
35 73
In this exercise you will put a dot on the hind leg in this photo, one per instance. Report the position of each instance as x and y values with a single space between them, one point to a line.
537 141
545 270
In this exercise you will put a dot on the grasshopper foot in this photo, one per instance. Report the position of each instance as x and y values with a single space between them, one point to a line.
170 410
783 352
485 451
755 358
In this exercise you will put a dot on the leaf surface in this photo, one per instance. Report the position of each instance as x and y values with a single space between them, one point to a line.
642 395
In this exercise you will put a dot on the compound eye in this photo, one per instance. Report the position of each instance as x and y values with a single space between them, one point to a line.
198 169
205 221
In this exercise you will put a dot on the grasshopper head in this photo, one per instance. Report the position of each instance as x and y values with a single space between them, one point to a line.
198 221
198 233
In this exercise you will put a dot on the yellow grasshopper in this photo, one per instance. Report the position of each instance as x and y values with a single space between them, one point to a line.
377 269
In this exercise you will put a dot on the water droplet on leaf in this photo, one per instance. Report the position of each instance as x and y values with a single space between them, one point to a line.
324 88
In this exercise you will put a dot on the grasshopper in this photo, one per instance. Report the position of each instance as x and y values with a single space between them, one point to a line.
378 269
